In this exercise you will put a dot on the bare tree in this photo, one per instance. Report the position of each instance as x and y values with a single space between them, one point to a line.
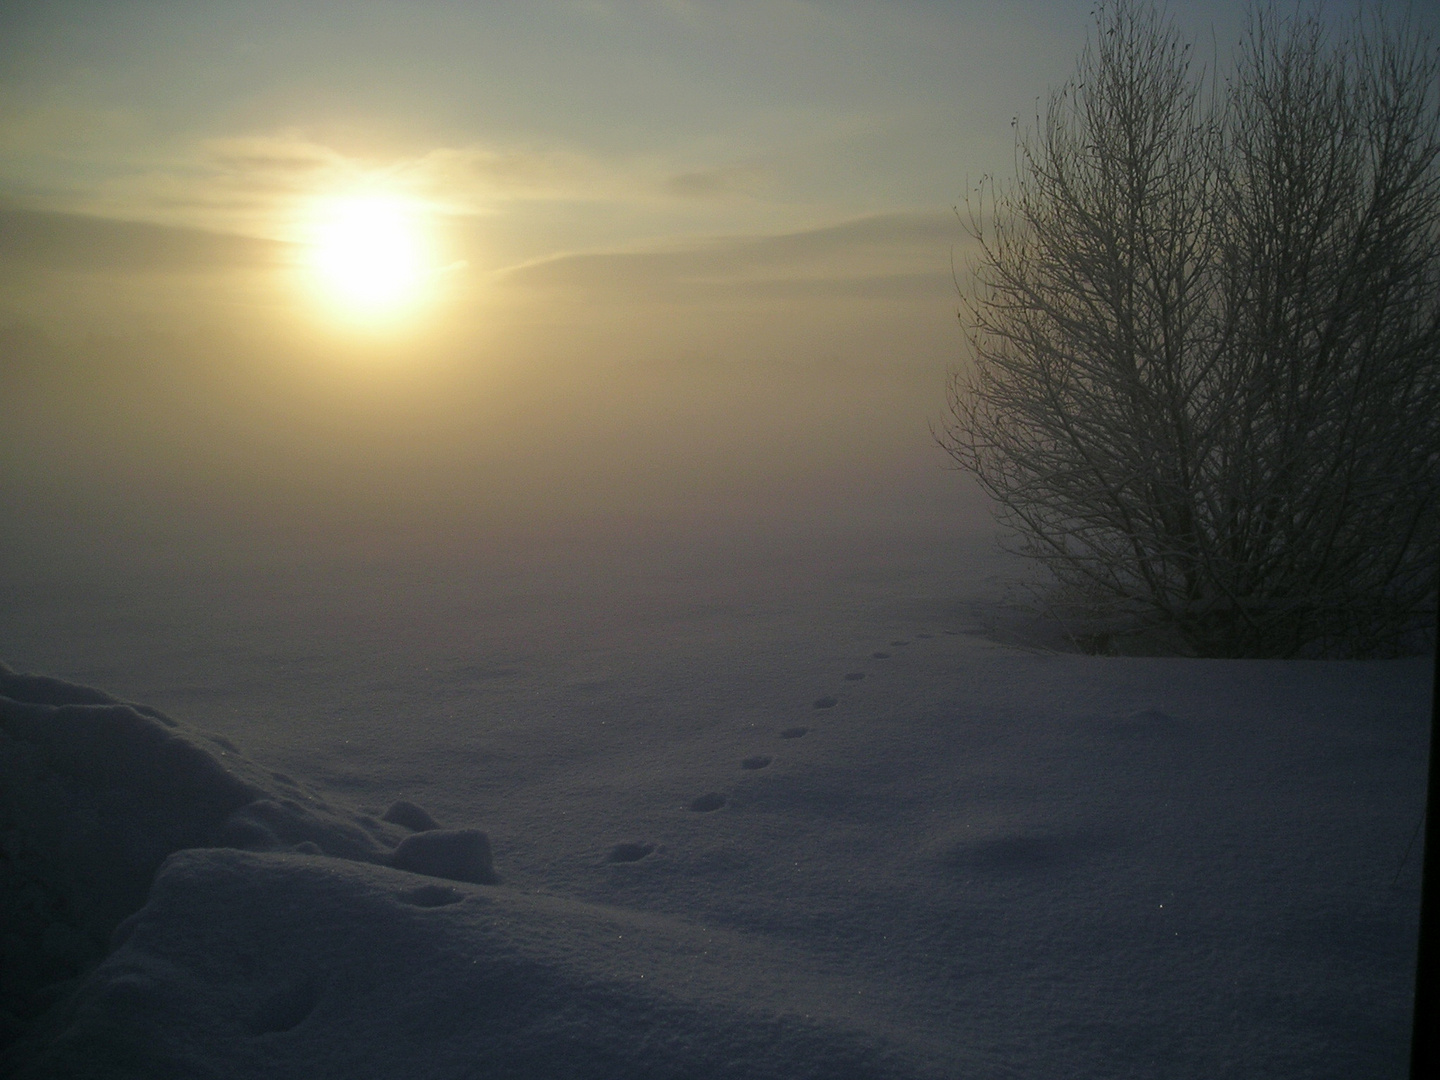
1205 329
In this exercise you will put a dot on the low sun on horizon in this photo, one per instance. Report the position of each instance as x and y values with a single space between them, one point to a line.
369 257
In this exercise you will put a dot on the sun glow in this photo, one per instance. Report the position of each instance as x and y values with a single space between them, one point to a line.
370 257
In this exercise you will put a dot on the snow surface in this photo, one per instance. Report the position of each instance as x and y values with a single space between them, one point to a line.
789 812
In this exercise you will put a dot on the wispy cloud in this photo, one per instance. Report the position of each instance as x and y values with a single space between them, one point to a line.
500 203
48 240
478 177
257 184
720 182
887 256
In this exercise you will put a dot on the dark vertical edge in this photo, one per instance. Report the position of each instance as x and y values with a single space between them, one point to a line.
1425 1024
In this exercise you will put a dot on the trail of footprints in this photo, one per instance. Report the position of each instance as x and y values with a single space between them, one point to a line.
714 800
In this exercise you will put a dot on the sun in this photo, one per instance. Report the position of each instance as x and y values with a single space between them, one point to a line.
369 256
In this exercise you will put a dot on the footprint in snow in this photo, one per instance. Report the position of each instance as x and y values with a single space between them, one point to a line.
881 655
854 676
624 853
759 761
793 732
825 703
706 803
286 1009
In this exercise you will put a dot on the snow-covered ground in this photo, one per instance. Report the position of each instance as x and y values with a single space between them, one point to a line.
763 804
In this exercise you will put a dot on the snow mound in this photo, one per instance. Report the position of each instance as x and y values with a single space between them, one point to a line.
280 965
457 854
173 909
95 793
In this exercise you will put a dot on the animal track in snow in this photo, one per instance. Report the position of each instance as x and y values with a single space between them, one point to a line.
286 1009
632 852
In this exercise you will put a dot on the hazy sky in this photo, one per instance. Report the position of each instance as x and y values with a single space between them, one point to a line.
687 236
532 129
593 123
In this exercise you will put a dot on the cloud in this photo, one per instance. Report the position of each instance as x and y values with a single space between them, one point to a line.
494 204
887 256
244 185
266 183
472 178
49 240
261 184
270 155
725 180
476 177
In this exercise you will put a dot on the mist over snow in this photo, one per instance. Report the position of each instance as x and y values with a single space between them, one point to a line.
764 800
658 602
687 638
594 671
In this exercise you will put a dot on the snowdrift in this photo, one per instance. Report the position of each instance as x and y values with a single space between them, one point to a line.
249 927
283 965
898 857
